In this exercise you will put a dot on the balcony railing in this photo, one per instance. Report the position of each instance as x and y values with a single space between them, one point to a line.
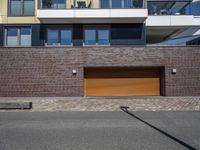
169 7
89 4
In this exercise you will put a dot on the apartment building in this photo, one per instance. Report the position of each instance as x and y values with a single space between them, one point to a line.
97 48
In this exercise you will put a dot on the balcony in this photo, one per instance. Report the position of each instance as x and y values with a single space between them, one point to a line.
169 7
92 11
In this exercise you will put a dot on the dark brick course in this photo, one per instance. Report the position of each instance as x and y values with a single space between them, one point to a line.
48 71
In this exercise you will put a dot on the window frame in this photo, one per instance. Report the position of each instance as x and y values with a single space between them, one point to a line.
59 28
22 9
18 36
96 28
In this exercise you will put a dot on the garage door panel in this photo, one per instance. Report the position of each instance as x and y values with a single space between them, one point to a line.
118 83
122 87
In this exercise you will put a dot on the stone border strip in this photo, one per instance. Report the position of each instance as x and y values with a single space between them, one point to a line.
53 104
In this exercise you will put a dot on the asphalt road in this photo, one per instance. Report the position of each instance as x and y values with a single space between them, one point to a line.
100 131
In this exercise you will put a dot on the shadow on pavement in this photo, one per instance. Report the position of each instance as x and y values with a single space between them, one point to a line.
125 109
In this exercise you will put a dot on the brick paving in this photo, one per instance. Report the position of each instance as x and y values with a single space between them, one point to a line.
107 104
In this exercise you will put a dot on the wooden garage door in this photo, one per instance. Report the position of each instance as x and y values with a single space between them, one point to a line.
122 82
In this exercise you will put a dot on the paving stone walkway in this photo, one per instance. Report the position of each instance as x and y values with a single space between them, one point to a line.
107 103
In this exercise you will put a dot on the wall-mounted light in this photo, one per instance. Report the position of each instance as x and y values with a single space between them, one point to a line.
173 71
74 72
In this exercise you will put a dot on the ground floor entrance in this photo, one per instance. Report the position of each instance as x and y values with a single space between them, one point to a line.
122 82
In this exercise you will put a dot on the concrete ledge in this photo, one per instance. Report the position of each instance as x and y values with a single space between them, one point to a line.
16 105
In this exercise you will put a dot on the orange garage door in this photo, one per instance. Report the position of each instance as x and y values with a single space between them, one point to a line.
122 82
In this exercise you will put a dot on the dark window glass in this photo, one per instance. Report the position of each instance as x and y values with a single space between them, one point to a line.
61 36
103 37
137 3
21 7
11 31
90 37
29 7
128 3
96 36
52 37
126 31
18 36
15 7
66 37
105 3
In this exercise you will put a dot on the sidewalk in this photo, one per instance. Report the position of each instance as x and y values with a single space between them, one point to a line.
107 103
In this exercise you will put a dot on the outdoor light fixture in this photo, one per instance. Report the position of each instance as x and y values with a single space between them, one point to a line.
173 71
74 72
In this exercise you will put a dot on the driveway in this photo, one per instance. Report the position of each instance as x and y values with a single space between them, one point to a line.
99 130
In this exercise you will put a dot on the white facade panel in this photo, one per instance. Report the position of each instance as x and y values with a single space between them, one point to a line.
92 13
185 20
197 20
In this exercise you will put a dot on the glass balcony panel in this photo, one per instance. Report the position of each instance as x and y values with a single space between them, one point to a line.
168 8
105 3
177 7
116 3
81 4
137 3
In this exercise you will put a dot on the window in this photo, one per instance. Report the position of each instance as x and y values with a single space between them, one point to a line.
96 36
103 36
59 36
90 37
18 36
21 7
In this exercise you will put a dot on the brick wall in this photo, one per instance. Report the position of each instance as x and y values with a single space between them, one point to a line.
48 71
